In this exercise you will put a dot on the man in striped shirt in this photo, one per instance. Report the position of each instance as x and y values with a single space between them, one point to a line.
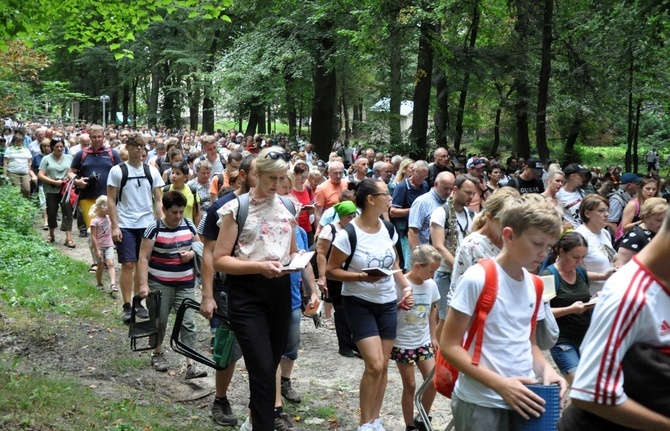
634 306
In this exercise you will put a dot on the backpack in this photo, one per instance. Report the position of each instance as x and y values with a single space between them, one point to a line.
446 374
243 211
580 272
194 192
125 178
351 233
88 150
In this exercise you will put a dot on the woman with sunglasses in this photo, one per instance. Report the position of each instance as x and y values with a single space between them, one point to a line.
260 291
370 302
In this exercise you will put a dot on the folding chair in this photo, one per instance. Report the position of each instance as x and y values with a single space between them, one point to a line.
148 329
419 406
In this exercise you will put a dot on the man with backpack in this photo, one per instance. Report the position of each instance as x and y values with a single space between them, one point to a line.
571 194
91 167
209 147
449 224
133 190
628 185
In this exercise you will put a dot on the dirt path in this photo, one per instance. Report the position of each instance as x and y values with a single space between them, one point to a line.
327 382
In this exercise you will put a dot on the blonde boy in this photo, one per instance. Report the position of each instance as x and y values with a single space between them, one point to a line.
485 395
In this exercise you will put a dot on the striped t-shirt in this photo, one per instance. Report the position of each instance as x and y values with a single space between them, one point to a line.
165 265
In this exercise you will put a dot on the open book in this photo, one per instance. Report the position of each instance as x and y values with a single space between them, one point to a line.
299 262
380 271
549 292
593 301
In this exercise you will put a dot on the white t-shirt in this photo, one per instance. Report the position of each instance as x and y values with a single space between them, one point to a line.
472 249
372 250
571 202
413 328
600 256
633 307
506 347
135 210
463 225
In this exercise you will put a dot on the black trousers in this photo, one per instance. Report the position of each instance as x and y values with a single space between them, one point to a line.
260 312
53 204
344 338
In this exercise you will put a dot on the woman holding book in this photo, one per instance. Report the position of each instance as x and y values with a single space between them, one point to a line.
370 302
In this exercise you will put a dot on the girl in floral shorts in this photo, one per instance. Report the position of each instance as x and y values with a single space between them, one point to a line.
415 335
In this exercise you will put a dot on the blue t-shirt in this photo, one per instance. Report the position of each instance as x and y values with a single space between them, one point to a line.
403 196
95 162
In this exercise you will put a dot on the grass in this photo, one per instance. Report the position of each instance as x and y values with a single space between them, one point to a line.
36 401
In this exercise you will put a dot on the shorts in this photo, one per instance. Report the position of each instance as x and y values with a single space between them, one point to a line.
566 356
107 254
129 248
473 417
410 356
369 319
443 281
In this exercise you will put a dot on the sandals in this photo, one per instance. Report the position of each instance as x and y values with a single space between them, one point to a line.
45 227
330 324
93 269
113 289
50 239
70 244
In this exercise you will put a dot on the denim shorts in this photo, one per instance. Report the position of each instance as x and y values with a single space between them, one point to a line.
443 281
369 319
128 249
566 356
293 343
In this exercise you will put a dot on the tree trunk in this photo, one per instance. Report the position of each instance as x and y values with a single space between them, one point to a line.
629 149
269 119
638 108
345 110
424 76
325 95
469 52
441 117
395 40
152 109
169 99
256 119
355 122
193 104
521 28
125 103
135 84
573 134
543 87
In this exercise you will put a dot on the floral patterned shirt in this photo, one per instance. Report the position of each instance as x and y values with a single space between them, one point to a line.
473 248
267 232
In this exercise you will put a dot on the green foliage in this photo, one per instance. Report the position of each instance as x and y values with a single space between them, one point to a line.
33 274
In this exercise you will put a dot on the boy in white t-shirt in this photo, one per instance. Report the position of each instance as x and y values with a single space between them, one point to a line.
486 394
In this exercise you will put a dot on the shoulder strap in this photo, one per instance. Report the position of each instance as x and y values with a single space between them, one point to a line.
539 289
166 188
147 173
194 192
333 233
219 180
124 180
583 274
242 213
484 304
288 204
389 227
351 233
557 277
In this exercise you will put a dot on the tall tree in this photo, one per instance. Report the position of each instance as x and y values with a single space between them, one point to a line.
543 84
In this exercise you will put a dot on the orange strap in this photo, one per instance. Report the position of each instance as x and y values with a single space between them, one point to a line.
484 304
539 289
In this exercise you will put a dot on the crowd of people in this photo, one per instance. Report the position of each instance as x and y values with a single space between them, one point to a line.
397 243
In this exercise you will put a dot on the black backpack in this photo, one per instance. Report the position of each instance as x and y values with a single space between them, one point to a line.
125 178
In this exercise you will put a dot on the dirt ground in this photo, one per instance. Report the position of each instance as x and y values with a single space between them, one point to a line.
100 357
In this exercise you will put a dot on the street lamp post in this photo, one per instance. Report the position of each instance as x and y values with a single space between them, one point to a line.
104 99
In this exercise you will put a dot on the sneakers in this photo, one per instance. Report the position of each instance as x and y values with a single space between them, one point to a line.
193 372
346 352
367 427
377 424
158 362
127 313
246 426
222 413
284 423
289 393
141 312
419 424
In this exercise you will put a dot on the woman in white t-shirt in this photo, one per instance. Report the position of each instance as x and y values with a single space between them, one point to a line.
600 260
370 302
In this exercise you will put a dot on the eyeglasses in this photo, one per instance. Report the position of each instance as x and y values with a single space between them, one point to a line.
276 155
382 194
